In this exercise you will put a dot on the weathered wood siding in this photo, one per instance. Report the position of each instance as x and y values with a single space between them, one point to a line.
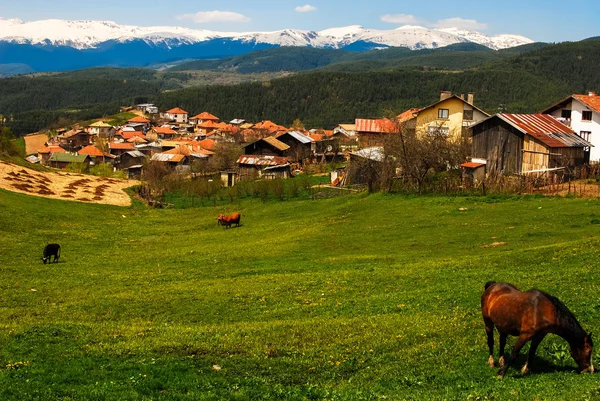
536 155
500 144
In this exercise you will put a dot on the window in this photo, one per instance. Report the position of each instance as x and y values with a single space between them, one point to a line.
437 130
443 113
468 115
565 113
585 135
586 115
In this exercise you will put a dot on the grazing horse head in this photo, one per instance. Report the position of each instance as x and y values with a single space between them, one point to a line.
582 354
531 315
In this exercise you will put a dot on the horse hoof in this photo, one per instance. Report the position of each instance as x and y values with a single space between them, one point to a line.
500 374
491 362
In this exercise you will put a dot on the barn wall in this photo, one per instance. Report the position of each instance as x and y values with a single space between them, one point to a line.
500 144
536 155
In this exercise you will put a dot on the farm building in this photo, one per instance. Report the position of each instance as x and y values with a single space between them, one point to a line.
269 146
63 160
268 166
526 143
301 146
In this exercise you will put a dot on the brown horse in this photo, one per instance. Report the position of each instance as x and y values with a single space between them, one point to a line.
530 315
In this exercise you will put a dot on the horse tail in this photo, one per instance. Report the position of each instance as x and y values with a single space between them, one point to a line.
489 284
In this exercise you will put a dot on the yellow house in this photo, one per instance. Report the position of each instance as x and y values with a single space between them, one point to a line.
451 116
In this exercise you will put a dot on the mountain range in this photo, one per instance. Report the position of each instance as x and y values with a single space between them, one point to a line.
59 45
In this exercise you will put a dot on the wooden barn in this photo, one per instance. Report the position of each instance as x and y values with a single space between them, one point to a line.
526 143
269 146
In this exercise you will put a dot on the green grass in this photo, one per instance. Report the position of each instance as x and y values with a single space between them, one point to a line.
354 297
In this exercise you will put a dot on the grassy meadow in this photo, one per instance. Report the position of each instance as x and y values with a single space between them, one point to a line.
360 297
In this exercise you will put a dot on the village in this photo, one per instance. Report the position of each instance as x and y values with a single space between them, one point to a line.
561 137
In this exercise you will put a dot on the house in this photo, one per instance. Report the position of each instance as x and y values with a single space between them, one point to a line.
269 146
348 130
63 160
203 117
164 132
301 146
74 139
100 129
172 160
131 158
118 148
263 166
138 127
147 108
582 114
451 116
45 152
176 114
374 132
96 155
526 143
138 120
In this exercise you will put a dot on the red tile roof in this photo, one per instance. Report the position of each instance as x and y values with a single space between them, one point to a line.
121 145
377 126
91 150
176 110
164 130
207 144
138 119
205 116
592 101
208 125
129 134
408 115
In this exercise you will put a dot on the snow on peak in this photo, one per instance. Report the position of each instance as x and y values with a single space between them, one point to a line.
342 32
411 27
88 34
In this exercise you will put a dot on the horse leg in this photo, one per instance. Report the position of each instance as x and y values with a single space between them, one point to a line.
489 329
521 341
502 346
535 341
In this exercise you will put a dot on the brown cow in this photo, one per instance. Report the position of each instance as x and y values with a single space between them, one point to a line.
227 221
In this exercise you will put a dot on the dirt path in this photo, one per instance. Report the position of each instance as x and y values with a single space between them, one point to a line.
65 186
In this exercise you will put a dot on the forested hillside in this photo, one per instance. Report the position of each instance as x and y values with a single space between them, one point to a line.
524 79
325 99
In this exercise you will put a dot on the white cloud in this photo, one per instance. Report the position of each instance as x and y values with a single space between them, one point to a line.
460 23
401 19
305 9
203 17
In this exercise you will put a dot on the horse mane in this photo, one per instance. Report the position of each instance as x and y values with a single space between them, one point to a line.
489 284
564 317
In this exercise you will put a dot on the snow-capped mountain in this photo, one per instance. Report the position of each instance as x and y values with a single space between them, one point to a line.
57 45
89 34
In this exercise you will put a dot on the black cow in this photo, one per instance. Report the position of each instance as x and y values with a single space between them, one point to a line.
51 250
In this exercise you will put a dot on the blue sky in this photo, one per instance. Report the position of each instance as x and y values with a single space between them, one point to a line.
548 21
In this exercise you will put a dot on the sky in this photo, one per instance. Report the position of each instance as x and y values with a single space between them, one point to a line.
544 21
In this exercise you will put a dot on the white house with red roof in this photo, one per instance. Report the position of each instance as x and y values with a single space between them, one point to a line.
176 114
582 114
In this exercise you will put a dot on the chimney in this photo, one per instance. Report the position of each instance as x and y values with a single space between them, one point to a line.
471 98
592 93
445 95
462 96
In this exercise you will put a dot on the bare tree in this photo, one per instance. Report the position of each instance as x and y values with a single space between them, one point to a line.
225 157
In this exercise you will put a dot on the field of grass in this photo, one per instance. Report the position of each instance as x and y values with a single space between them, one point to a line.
350 298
